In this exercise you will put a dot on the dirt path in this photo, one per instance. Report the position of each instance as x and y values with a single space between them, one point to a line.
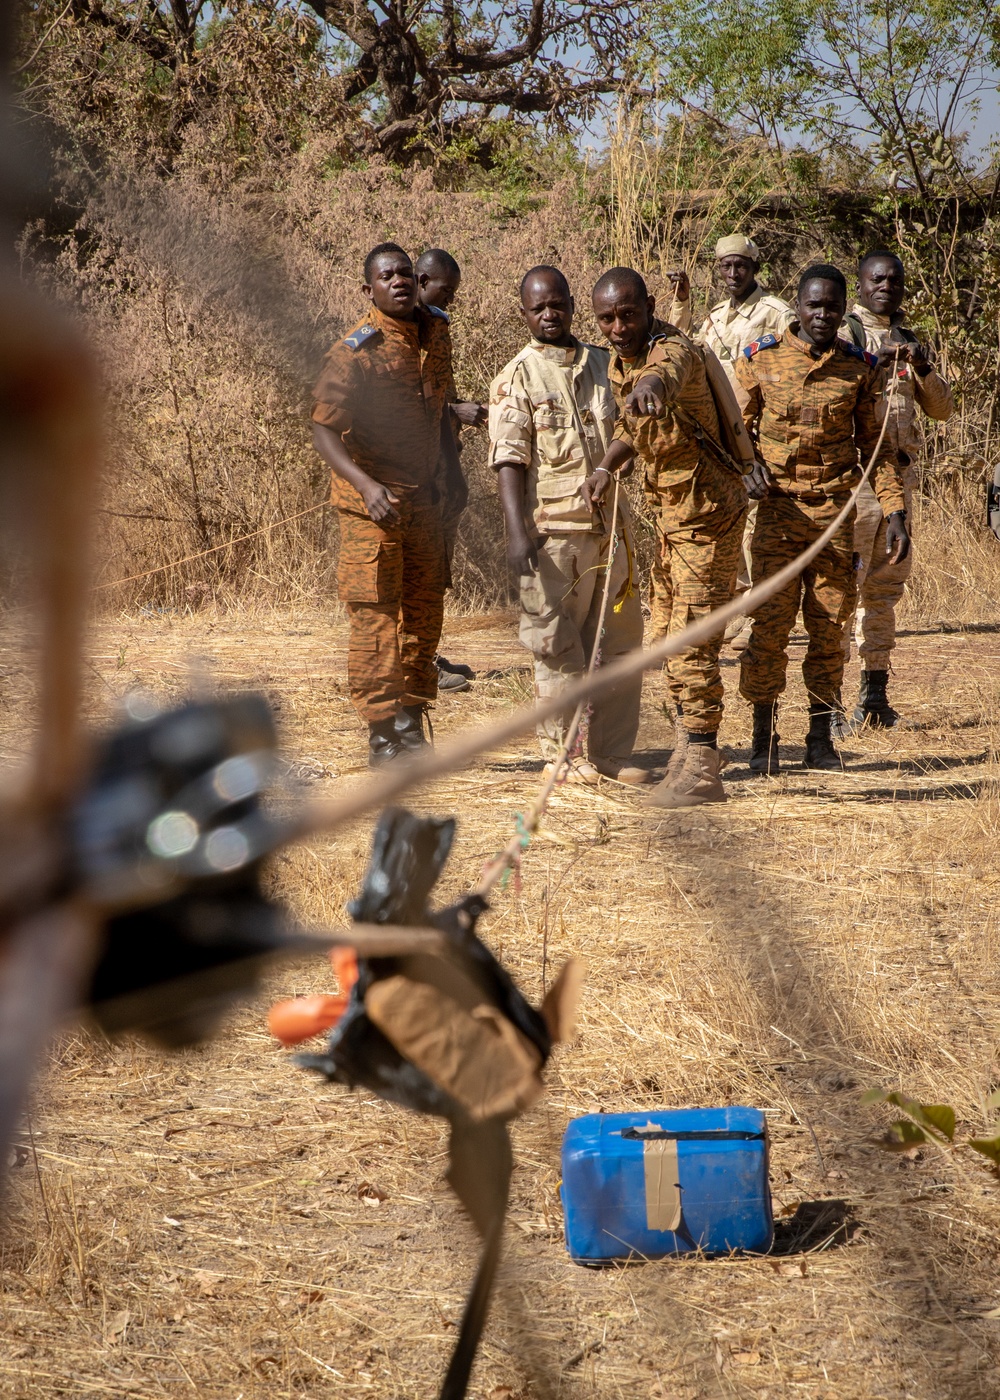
211 1224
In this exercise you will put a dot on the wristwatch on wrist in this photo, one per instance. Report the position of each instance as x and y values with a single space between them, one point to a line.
900 513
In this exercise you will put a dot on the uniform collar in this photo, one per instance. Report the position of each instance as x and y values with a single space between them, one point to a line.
558 354
876 322
790 336
413 331
731 304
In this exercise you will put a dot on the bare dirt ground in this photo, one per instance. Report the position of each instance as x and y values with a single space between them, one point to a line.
220 1224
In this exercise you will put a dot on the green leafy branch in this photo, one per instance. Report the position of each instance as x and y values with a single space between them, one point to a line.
932 1123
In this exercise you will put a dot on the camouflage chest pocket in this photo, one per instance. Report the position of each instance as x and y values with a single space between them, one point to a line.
369 570
599 418
836 411
782 417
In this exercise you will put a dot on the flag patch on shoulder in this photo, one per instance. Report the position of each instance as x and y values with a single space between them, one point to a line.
849 348
765 343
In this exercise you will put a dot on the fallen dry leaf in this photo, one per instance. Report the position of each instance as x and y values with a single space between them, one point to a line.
116 1327
206 1282
370 1195
746 1358
789 1268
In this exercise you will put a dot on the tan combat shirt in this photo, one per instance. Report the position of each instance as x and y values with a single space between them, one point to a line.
680 477
812 415
731 325
383 388
552 412
929 390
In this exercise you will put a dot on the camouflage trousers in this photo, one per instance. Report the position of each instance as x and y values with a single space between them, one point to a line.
826 591
880 584
453 493
694 572
560 610
659 582
391 578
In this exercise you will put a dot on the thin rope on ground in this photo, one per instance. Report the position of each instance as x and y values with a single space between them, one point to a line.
204 553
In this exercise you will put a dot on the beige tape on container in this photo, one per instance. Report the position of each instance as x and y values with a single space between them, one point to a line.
663 1189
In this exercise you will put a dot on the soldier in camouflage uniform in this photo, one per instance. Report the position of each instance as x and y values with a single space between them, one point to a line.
876 324
698 504
379 422
813 403
745 315
438 280
551 419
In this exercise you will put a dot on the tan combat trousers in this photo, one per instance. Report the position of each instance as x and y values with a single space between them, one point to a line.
660 593
698 572
560 607
826 590
880 584
392 578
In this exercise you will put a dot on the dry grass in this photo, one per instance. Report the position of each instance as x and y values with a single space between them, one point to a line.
201 1224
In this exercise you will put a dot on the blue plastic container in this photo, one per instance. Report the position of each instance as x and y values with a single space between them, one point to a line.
652 1184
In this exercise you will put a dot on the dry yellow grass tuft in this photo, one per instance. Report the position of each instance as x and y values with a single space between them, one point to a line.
219 1224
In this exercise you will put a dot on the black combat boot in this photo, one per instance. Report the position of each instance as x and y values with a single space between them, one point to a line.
873 703
841 727
410 728
764 749
820 752
384 744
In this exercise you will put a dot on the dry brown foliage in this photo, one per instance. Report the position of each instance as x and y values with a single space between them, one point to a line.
212 313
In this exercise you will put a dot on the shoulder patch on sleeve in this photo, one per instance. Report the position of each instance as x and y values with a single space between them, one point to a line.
765 343
357 338
857 353
441 315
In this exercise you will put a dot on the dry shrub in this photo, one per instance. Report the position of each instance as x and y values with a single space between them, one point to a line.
211 315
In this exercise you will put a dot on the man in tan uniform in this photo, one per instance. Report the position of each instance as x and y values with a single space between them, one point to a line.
813 404
876 323
747 314
551 419
379 422
668 417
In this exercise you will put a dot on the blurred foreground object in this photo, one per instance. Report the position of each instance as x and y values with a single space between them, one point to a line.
447 1034
49 457
168 838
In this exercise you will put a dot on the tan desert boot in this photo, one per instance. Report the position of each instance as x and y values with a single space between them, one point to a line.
676 762
738 636
621 770
577 771
697 782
